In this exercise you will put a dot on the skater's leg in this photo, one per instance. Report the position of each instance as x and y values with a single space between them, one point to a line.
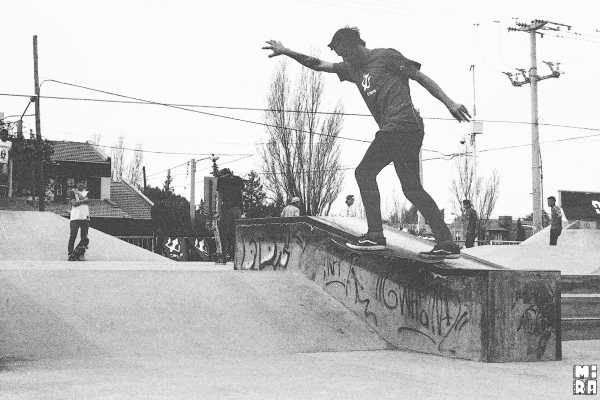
375 159
85 227
407 168
74 228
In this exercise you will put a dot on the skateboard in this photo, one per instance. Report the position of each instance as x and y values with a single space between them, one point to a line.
219 255
389 253
79 250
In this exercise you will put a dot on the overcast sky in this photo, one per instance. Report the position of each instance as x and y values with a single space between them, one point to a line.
208 53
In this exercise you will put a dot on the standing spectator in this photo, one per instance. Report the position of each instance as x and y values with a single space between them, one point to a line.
382 77
555 220
80 215
470 223
230 207
292 209
349 211
5 146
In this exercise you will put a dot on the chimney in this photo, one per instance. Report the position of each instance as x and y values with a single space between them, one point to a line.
31 135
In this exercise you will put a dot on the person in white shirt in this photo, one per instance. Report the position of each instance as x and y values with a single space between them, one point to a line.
292 210
80 214
349 210
5 146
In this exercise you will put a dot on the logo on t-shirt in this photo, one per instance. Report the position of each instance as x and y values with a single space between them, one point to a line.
366 82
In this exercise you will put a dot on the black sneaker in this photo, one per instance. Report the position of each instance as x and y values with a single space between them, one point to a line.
72 257
369 241
447 249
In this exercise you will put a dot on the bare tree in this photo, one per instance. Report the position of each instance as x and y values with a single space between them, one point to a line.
134 171
117 155
302 156
483 192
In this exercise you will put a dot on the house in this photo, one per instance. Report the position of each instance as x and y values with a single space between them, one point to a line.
503 229
116 207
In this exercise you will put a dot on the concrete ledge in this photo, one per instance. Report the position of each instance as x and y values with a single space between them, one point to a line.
481 314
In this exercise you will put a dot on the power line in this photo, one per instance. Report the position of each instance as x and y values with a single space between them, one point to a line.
143 102
203 112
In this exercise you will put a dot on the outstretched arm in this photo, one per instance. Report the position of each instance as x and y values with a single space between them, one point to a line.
458 111
311 62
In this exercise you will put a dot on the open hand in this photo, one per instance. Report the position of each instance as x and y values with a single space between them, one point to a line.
459 112
276 46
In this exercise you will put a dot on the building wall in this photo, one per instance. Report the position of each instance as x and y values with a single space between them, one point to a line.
105 188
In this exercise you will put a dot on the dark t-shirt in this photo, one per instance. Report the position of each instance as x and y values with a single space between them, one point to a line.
231 187
471 216
384 87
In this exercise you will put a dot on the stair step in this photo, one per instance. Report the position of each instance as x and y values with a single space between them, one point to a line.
580 328
580 305
580 284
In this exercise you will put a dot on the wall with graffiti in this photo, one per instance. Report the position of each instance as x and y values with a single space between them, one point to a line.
483 315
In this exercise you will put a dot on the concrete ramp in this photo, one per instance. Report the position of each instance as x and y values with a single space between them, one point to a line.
43 236
577 252
466 308
64 310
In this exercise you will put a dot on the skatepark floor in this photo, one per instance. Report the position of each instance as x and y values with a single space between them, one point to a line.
117 327
248 370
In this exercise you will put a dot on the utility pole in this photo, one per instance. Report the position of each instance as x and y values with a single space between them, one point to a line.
38 130
476 129
533 79
193 192
144 174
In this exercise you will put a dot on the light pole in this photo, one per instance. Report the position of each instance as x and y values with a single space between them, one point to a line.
193 190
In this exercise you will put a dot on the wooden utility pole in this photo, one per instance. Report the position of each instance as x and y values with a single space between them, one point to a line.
533 79
193 192
144 174
38 131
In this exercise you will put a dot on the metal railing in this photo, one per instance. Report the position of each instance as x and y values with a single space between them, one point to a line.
504 242
145 242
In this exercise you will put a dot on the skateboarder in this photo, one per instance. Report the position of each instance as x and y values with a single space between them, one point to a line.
80 217
470 224
555 220
230 206
382 77
292 209
5 147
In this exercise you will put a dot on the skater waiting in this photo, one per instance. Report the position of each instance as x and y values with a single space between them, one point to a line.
382 76
470 224
555 220
349 211
80 215
230 207
292 209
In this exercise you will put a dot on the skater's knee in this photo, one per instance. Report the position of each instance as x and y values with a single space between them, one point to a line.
364 175
413 193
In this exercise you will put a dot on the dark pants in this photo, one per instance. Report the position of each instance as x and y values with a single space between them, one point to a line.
226 227
403 150
554 234
470 240
77 224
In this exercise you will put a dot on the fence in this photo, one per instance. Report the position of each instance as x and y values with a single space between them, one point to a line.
145 242
505 242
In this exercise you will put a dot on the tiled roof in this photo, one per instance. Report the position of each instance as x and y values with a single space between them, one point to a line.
78 152
130 200
98 209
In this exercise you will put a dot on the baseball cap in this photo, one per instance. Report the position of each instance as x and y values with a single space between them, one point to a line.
467 202
350 196
295 200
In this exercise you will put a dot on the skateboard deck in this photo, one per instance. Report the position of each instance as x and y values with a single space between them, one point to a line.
389 253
